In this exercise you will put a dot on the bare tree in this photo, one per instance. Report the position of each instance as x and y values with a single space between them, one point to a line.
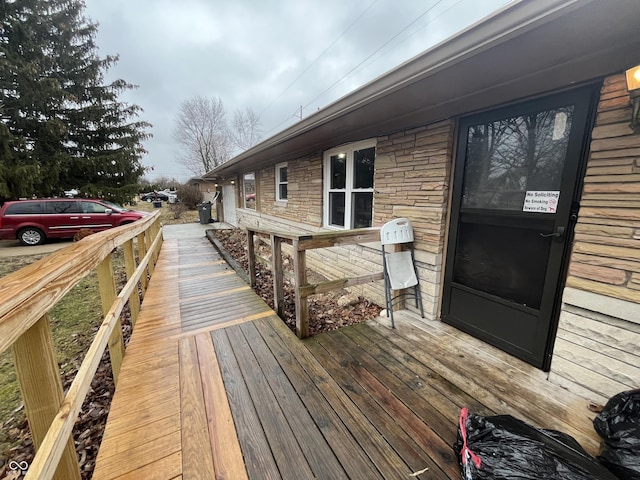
201 129
246 128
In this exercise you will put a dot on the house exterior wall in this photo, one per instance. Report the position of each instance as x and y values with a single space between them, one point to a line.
207 188
412 174
304 203
412 178
597 349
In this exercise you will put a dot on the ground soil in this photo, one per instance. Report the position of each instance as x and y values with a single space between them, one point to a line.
326 312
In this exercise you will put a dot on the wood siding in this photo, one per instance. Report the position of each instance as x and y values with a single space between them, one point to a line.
598 346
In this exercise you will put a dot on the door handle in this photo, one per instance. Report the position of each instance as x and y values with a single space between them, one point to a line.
559 233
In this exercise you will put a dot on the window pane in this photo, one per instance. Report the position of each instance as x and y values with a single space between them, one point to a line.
363 165
250 190
338 171
362 206
282 174
336 208
63 207
486 260
24 208
282 191
507 158
91 207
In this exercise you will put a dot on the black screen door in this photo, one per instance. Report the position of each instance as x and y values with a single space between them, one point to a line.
514 198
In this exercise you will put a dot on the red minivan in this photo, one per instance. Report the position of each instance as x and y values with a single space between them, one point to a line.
33 221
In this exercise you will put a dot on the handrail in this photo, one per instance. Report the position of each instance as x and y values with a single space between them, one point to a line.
27 296
28 293
301 243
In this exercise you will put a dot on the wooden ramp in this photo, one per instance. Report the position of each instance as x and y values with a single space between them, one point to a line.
214 385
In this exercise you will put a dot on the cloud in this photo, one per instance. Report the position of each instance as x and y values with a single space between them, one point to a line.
247 52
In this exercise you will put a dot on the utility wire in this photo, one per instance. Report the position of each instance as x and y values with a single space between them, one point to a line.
380 48
411 34
318 58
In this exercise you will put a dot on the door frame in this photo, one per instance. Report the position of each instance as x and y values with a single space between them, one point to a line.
587 95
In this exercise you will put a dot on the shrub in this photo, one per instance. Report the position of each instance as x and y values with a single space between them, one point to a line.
177 209
190 196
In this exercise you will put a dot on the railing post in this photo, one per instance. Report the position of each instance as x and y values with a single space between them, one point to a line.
39 379
148 238
302 305
107 286
278 275
251 258
142 251
130 268
158 230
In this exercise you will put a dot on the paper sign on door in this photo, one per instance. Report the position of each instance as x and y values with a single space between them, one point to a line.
541 201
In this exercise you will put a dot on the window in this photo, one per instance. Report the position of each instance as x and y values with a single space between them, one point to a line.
281 182
92 207
24 208
249 187
348 185
63 207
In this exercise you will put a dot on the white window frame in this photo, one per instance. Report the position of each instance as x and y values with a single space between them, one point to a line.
348 150
280 166
244 191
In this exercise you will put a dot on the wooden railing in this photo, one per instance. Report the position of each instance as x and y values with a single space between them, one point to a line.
303 289
26 298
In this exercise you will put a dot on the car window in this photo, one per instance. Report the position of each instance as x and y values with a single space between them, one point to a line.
25 208
114 206
92 207
62 207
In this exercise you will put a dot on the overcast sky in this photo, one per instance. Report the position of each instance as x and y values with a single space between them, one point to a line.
271 55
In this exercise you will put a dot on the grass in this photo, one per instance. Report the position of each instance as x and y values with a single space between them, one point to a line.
170 214
74 321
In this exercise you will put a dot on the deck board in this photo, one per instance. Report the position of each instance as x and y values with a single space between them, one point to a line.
197 462
214 385
257 454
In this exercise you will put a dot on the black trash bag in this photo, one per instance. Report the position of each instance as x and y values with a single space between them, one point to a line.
619 426
503 447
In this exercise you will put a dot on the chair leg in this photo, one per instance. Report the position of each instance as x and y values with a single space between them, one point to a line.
386 294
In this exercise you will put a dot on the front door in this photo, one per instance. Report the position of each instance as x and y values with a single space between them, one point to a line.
513 210
229 205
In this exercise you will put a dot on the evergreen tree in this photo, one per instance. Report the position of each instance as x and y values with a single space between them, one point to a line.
61 126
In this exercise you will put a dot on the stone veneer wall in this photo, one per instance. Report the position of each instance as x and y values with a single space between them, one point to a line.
597 350
411 180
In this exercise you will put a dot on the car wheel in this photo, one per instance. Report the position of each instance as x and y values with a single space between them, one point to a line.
31 236
149 200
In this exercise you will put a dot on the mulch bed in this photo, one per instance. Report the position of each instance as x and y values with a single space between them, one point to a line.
327 312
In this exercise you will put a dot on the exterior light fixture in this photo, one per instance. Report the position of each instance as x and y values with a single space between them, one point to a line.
233 182
633 85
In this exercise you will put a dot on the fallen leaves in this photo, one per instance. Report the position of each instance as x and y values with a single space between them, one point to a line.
327 312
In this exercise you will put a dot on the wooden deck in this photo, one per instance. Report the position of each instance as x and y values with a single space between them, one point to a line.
214 385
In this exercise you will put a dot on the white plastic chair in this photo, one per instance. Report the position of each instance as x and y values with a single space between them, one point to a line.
400 271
